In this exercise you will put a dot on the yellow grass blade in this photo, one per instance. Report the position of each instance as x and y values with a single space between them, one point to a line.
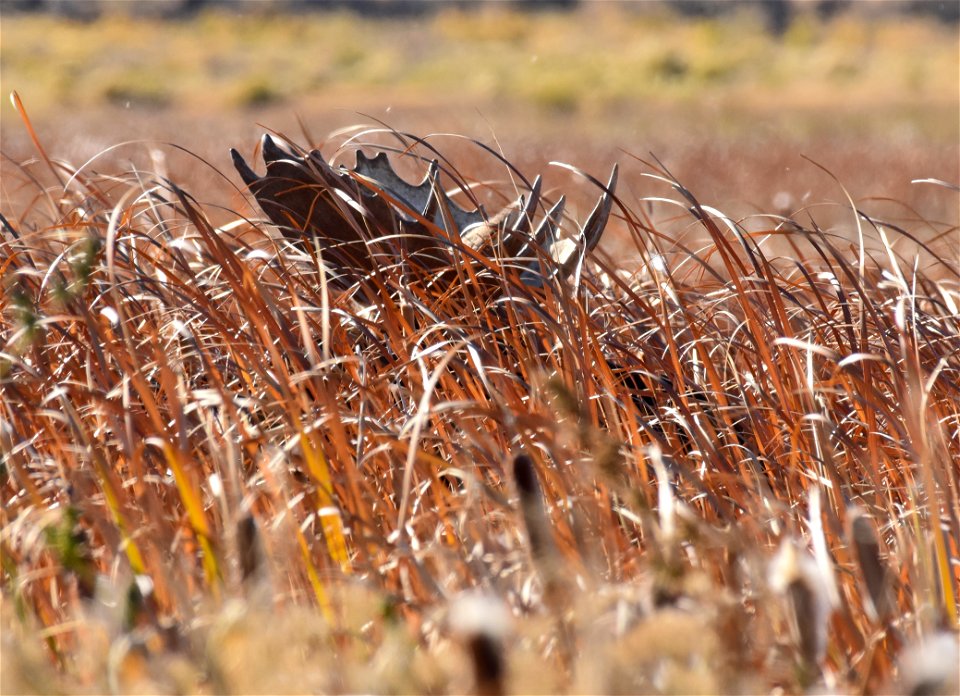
194 507
318 590
330 520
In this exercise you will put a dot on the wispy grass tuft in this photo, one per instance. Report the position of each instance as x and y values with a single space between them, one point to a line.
227 466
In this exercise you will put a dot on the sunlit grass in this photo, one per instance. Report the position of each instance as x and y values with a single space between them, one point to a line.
698 467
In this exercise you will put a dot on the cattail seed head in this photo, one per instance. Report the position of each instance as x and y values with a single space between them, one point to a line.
481 623
531 506
875 573
249 547
796 575
931 666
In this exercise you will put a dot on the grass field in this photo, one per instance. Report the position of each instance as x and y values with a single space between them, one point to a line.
726 107
720 454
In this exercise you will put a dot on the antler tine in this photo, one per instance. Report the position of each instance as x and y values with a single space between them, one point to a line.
515 238
297 195
597 222
249 176
273 150
380 170
433 209
528 208
377 167
574 252
279 155
546 234
546 238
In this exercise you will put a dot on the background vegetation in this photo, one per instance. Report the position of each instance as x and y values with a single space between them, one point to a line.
724 455
603 59
854 93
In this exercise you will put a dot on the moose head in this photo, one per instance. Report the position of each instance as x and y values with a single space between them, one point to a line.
357 215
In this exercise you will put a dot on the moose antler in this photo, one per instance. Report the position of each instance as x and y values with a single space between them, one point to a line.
354 211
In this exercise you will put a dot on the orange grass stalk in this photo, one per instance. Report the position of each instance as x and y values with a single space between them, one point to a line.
722 402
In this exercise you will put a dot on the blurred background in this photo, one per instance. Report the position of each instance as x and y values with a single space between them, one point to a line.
729 96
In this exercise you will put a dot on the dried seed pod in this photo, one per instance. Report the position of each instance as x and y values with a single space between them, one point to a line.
140 608
249 548
558 585
929 666
876 575
796 575
532 508
481 623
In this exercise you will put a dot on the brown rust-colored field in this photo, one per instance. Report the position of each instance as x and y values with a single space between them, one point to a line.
723 455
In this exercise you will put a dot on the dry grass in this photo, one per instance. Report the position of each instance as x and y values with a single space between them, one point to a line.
728 470
726 107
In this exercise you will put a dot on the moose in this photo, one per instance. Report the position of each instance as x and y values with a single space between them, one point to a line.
368 214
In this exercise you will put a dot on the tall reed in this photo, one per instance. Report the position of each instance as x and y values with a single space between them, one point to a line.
732 469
